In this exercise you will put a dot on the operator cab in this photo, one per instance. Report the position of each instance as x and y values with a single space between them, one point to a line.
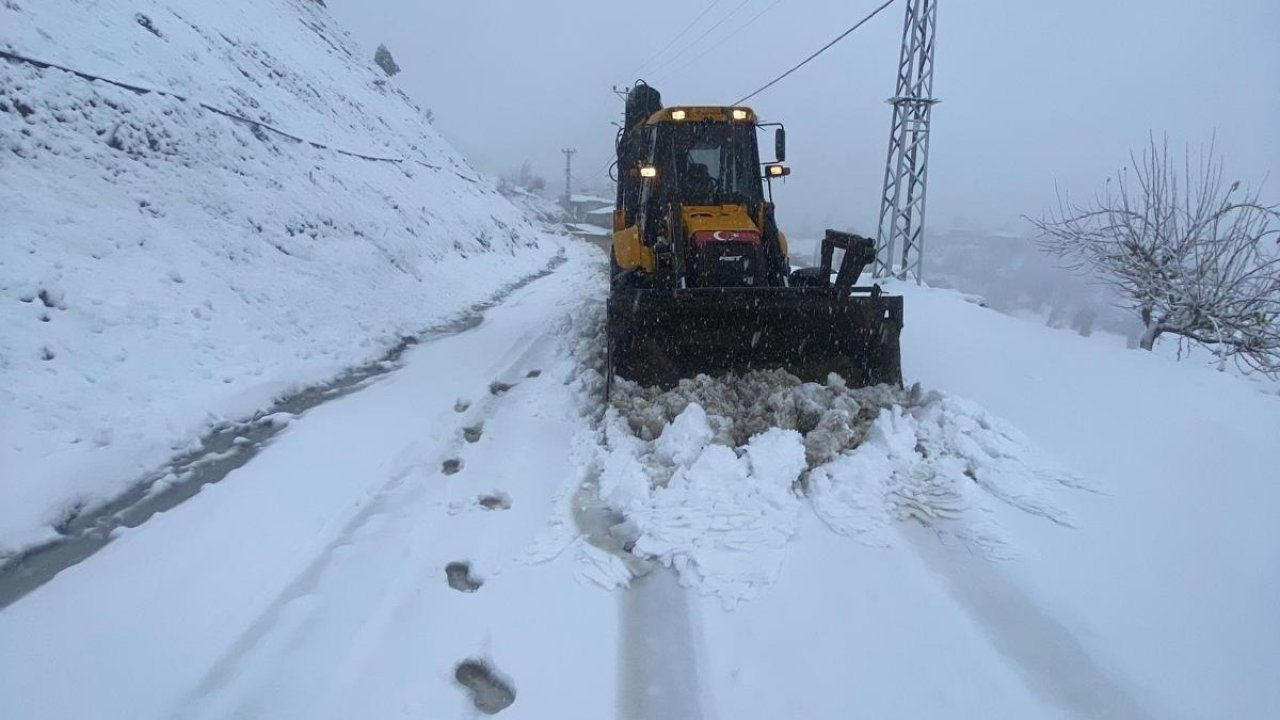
691 208
708 161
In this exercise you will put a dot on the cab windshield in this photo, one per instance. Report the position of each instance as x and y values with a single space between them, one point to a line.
708 163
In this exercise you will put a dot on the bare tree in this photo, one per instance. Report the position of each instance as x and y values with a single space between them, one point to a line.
1196 258
524 178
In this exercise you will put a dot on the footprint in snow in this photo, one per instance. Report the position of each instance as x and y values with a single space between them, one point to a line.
472 434
495 501
498 387
490 693
451 466
533 373
461 405
458 575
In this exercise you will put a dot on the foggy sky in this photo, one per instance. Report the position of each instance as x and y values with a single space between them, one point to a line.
1032 92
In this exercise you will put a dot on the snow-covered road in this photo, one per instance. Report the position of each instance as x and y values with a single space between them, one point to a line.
444 543
225 448
315 575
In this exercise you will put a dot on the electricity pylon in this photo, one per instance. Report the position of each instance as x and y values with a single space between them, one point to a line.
902 205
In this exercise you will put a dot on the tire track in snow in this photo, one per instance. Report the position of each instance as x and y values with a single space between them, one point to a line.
298 595
1051 659
658 659
657 652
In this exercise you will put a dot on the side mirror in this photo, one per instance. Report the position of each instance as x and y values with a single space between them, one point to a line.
776 170
780 143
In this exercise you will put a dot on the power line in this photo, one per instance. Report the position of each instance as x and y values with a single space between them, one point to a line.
708 31
601 169
821 50
677 36
722 40
610 158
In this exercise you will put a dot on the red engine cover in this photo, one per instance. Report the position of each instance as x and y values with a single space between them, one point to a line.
709 237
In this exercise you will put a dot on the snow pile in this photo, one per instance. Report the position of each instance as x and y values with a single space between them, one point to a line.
831 417
710 477
719 516
939 460
166 266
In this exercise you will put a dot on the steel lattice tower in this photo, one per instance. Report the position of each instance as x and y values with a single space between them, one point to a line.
905 174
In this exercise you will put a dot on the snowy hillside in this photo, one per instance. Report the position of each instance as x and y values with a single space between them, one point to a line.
534 205
172 254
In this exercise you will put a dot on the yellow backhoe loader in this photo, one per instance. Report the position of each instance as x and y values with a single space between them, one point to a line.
701 278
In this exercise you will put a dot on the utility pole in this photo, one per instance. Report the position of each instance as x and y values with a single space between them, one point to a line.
568 173
906 171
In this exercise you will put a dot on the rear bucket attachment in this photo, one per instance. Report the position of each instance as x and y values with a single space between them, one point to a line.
657 337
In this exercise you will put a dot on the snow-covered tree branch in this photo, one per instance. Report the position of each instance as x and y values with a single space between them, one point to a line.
1195 257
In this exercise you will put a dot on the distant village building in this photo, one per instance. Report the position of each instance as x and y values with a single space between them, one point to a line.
581 204
602 216
590 217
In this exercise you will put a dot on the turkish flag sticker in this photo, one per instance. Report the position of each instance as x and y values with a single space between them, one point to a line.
706 237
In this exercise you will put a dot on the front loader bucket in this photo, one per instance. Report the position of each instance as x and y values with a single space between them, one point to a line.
657 337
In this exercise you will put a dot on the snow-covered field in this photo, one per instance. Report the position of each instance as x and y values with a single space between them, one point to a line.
1171 568
164 267
1112 557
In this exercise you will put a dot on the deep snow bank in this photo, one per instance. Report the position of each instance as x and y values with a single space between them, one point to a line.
163 265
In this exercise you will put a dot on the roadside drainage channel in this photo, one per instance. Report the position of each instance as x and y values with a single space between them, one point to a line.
223 449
